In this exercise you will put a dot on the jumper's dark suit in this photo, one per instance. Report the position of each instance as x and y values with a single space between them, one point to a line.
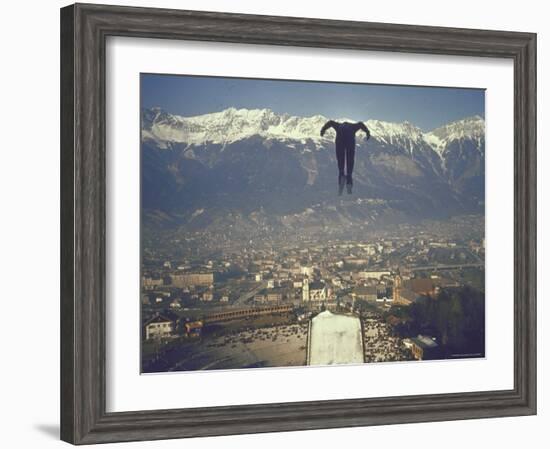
345 147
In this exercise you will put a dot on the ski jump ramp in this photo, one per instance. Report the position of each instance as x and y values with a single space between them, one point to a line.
334 339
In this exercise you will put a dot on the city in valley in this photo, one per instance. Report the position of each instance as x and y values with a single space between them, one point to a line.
230 299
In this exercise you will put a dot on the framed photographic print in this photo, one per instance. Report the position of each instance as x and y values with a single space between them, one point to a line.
275 223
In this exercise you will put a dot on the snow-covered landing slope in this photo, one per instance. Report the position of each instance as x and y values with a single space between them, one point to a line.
334 339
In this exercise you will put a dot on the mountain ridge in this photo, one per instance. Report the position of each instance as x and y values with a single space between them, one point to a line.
219 127
236 162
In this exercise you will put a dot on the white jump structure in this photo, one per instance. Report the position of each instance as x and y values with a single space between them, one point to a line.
334 339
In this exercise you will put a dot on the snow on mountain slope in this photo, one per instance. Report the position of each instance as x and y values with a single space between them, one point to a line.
231 125
471 128
402 134
454 151
241 159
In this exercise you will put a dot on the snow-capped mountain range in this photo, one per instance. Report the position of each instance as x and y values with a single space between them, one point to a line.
231 125
256 159
471 128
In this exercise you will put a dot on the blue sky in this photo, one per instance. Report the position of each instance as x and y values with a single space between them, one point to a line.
426 107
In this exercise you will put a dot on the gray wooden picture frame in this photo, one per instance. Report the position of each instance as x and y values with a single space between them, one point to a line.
84 29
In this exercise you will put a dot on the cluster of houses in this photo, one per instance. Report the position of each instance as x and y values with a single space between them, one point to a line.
397 290
167 324
422 347
169 290
310 291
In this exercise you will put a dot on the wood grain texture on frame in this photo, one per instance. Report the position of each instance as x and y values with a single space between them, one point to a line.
84 29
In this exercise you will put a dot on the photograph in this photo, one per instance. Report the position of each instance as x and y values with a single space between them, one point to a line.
257 224
266 225
290 223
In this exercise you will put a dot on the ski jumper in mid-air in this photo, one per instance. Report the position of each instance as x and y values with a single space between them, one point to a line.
345 149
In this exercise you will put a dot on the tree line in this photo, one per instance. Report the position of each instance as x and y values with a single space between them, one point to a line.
456 317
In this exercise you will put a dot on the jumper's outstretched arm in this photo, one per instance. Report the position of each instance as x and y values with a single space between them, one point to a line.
327 125
364 128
